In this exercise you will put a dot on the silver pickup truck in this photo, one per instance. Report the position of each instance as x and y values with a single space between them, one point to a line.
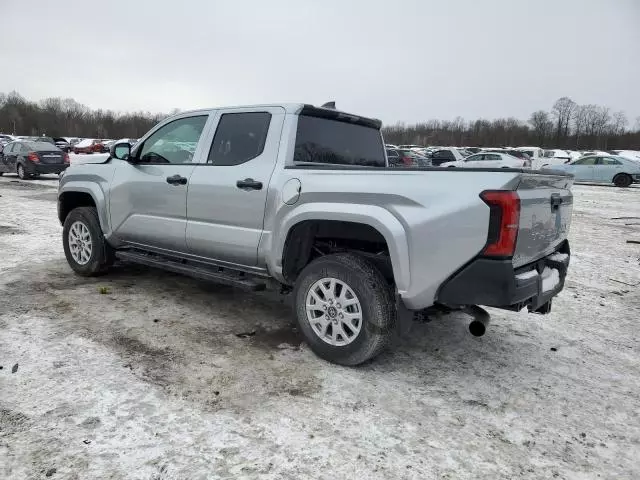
300 197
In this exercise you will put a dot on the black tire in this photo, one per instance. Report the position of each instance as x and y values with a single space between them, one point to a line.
376 300
1 174
22 175
102 254
622 180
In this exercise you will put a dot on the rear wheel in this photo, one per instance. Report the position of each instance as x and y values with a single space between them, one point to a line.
87 252
622 180
22 174
344 308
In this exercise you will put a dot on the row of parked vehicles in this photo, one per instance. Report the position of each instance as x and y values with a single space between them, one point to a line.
66 144
620 167
30 156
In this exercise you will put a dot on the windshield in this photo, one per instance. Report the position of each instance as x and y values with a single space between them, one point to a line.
321 140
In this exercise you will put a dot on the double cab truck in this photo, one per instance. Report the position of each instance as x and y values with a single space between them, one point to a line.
301 198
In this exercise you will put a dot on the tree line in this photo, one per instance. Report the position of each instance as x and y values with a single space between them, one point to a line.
56 117
567 125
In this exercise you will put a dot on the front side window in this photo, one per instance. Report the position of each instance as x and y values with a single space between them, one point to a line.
493 156
240 137
475 158
174 142
328 141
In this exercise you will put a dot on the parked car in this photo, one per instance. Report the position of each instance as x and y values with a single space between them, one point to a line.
88 145
538 158
6 137
38 139
277 196
401 158
62 144
620 171
489 160
630 154
29 159
514 153
443 155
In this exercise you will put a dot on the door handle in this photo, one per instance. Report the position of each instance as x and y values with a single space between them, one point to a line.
176 180
249 184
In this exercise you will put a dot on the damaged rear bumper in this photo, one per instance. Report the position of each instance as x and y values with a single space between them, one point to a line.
495 283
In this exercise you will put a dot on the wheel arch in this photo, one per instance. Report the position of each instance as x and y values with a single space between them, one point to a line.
83 195
298 229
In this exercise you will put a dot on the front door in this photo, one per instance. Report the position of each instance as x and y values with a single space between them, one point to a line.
228 192
148 200
583 169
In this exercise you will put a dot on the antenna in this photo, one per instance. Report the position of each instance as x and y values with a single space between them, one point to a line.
331 105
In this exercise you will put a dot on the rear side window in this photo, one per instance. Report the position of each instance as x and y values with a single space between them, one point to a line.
444 155
609 161
322 140
240 137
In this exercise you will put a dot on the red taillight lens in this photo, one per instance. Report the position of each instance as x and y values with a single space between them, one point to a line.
66 158
33 156
503 222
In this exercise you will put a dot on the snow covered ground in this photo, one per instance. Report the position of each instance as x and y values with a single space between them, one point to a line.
147 377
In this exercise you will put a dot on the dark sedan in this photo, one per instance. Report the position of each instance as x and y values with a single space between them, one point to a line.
29 159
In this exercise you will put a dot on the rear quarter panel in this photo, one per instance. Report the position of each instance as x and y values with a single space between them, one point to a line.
433 221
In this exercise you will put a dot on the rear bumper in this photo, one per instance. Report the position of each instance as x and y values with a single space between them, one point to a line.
495 283
44 168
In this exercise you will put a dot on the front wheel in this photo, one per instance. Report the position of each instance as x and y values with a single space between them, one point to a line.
622 180
85 248
345 308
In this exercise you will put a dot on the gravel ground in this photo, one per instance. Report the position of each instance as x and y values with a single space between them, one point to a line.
142 374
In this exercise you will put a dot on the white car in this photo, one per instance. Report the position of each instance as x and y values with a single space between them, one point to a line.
630 154
538 158
489 160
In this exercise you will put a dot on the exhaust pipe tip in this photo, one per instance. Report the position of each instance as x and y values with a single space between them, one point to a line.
477 328
480 322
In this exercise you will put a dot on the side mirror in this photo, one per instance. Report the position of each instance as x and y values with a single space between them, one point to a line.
120 150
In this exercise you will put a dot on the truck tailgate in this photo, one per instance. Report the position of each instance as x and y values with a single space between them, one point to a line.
546 203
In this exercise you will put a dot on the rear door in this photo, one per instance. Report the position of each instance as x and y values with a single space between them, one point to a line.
228 190
148 200
606 168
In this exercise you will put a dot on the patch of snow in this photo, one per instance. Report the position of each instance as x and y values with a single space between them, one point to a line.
559 257
550 279
527 275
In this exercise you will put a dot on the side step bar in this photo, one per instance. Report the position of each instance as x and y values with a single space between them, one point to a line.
212 274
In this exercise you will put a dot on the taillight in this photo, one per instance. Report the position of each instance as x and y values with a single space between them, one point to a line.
504 219
66 158
33 156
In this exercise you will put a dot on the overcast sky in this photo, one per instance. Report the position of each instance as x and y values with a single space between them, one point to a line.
398 60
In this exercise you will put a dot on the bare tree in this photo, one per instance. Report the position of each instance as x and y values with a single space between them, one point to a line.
562 112
542 125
